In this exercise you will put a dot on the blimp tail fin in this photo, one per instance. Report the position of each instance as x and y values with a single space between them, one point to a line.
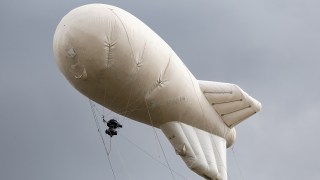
230 101
204 153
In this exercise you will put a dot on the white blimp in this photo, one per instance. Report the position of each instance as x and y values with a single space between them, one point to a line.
114 59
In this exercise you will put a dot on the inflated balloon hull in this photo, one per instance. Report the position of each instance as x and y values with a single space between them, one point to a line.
116 60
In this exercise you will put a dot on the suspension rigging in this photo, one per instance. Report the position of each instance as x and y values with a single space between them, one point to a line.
113 125
102 139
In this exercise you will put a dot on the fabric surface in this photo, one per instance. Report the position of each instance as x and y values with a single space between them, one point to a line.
113 58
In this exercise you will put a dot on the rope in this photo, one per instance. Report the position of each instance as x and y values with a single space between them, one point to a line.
237 164
104 144
110 146
148 154
125 170
164 154
93 108
104 98
99 112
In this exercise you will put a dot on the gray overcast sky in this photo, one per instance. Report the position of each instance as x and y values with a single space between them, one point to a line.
270 48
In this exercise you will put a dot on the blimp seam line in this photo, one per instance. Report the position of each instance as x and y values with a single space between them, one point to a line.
206 165
108 55
217 155
212 92
167 66
200 159
140 59
211 162
191 150
125 29
239 100
108 48
108 43
161 81
248 107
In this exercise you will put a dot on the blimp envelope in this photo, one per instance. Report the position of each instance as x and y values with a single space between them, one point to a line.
114 59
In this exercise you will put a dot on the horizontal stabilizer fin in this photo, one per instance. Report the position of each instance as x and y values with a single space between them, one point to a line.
230 101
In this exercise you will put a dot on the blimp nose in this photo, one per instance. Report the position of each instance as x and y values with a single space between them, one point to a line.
82 42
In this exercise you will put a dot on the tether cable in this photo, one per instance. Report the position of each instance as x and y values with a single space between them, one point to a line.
155 133
104 144
148 154
237 164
